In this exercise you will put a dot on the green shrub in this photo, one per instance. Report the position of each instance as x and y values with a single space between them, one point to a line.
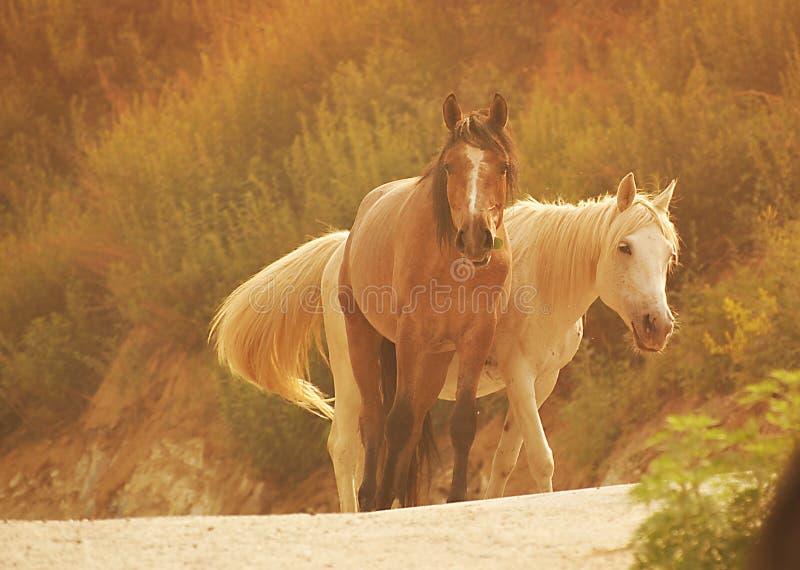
712 485
189 257
275 436
68 67
674 105
49 374
598 397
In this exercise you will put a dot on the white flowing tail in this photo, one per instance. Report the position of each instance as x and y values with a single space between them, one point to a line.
264 329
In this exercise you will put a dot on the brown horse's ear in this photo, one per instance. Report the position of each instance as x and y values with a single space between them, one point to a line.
498 112
451 111
626 192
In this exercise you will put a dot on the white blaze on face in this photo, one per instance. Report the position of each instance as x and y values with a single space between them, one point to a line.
475 157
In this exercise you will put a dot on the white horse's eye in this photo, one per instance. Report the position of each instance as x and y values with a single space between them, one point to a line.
625 248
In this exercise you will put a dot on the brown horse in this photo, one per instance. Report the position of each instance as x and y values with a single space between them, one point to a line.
427 266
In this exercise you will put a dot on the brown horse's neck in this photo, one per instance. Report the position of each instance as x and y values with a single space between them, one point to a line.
432 214
433 185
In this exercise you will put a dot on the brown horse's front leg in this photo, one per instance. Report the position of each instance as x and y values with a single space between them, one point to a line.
472 355
420 378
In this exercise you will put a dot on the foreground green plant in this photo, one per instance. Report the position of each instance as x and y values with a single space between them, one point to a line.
714 484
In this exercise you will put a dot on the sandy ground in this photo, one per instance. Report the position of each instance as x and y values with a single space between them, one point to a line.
582 529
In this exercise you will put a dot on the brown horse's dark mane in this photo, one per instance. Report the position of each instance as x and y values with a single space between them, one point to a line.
475 130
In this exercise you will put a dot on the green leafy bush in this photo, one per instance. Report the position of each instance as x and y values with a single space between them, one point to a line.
190 255
276 437
712 484
48 375
601 397
69 67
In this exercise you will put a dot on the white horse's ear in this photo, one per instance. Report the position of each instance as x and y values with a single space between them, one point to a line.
662 200
626 192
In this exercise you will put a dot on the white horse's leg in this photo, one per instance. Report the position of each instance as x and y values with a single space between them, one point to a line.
344 443
507 453
505 458
522 400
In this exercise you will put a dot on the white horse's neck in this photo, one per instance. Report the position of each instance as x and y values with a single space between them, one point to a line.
556 249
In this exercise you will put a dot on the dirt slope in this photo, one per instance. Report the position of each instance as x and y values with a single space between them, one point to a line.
574 529
150 443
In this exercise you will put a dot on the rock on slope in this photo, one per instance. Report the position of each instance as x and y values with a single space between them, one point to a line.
150 445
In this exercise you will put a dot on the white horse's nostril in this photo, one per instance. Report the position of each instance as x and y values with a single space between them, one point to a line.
648 324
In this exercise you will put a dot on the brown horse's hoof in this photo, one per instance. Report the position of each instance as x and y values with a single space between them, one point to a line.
385 501
366 502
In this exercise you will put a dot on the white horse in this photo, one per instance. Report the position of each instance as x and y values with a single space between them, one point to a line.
618 248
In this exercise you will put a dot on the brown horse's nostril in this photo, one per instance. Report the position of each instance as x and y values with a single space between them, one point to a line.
488 239
460 241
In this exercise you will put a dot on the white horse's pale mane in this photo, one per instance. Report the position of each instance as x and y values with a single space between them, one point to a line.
557 246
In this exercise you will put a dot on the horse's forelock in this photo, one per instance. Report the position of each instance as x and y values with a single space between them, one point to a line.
476 130
643 213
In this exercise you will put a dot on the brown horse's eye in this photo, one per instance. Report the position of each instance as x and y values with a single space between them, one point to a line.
504 168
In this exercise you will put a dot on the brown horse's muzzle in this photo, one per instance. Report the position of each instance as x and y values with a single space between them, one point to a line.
475 240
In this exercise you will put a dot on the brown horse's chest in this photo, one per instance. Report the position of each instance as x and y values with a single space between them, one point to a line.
400 277
441 311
